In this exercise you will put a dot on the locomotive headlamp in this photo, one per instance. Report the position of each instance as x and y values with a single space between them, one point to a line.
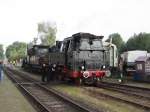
104 66
82 67
44 65
86 74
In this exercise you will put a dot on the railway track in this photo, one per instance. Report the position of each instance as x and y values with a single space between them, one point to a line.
136 96
126 89
45 99
140 95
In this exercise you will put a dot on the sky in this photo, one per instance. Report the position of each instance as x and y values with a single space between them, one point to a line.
19 18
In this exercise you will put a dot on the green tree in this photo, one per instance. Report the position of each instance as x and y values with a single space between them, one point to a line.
47 32
16 51
139 41
1 52
117 40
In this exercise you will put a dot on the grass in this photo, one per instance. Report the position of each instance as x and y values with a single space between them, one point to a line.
105 104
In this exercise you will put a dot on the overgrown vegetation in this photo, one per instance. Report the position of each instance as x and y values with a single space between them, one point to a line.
139 41
16 51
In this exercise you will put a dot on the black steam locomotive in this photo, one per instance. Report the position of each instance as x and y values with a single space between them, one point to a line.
80 57
36 57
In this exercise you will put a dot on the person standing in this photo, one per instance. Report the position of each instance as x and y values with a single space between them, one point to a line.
44 73
53 72
120 70
0 71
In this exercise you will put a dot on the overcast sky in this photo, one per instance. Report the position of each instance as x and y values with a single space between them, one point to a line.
19 18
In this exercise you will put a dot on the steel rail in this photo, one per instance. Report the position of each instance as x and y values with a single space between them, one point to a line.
126 89
50 90
100 94
30 97
127 86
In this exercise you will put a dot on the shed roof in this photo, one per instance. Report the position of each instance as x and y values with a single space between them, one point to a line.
143 58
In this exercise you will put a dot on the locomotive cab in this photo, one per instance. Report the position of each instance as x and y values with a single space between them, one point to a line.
84 57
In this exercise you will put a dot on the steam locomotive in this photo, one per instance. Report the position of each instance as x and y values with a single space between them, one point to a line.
80 57
36 57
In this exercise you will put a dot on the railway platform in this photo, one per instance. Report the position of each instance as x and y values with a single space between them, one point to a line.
11 100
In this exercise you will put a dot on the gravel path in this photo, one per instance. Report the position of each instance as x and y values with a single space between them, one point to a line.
11 100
